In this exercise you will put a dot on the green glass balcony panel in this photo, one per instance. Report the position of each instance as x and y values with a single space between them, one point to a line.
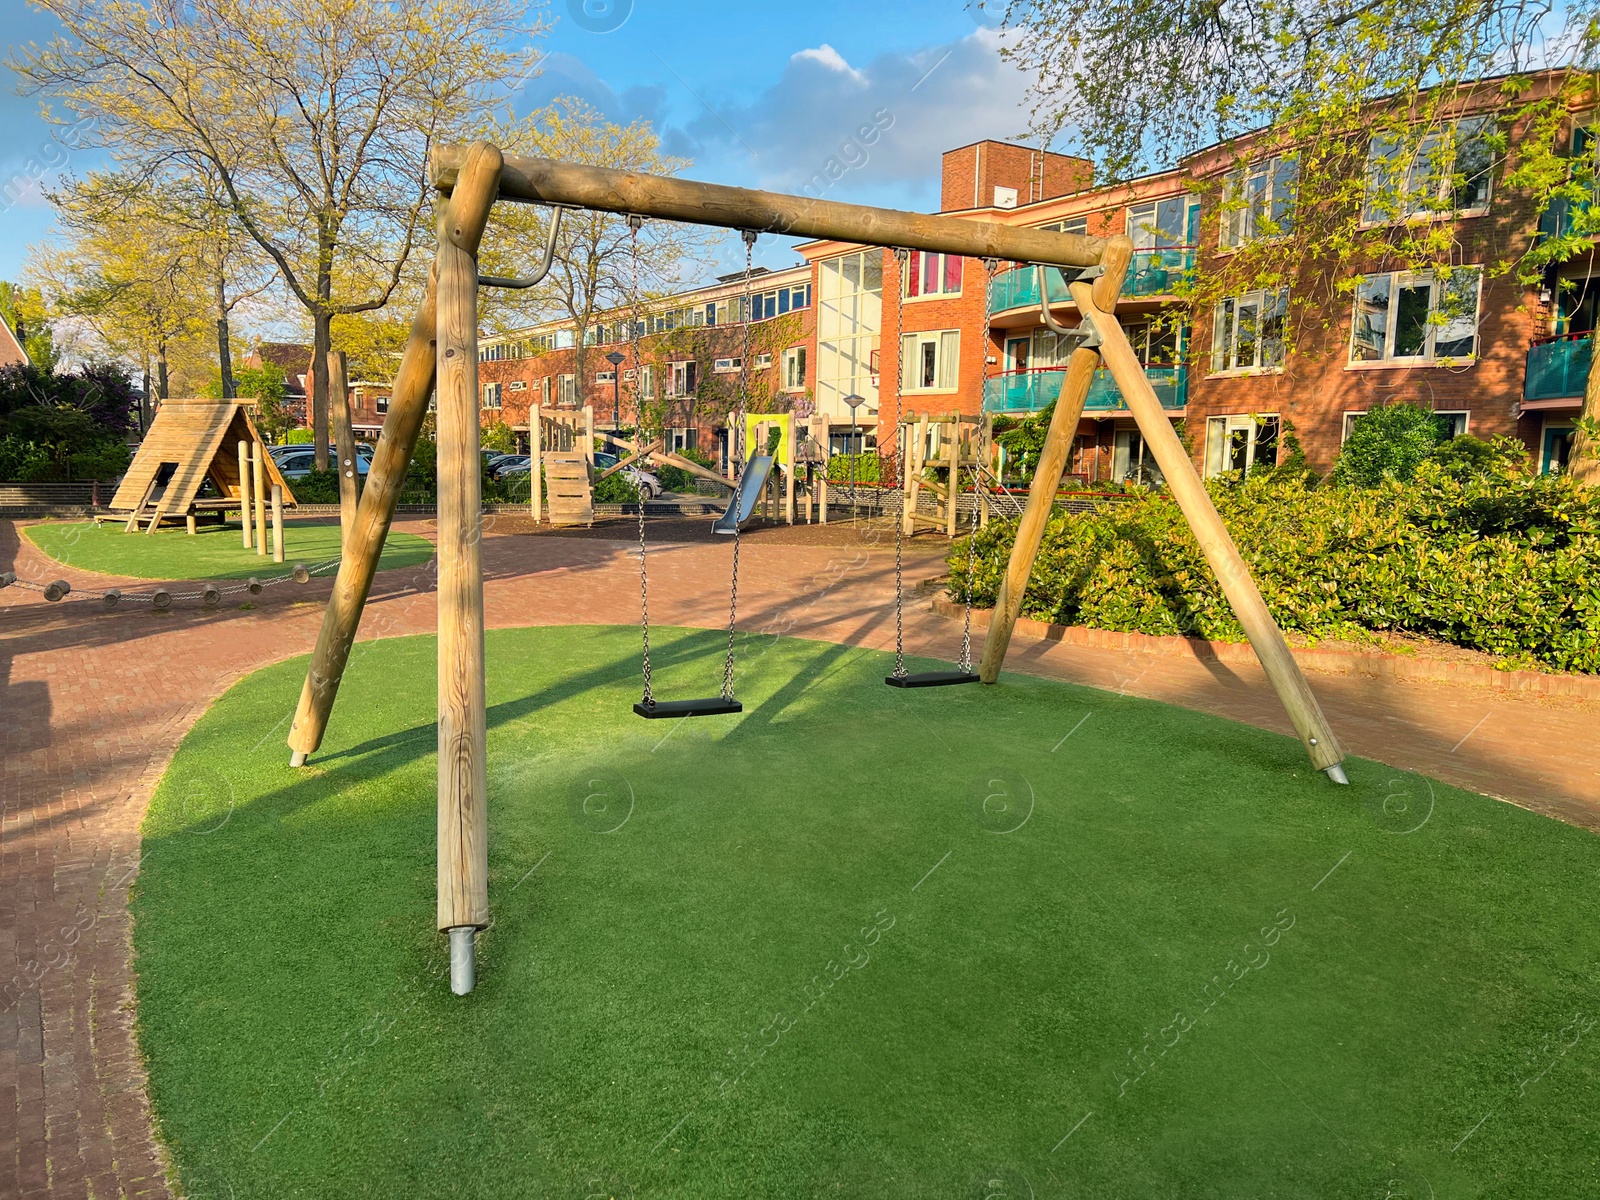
1150 273
1558 368
1029 391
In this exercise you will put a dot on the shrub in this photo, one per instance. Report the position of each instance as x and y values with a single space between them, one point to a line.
869 468
1509 565
299 437
676 479
64 427
1387 443
615 489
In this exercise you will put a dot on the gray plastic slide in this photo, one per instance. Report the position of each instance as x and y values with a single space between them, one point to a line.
744 500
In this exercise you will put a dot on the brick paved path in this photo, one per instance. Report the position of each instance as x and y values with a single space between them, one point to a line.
95 703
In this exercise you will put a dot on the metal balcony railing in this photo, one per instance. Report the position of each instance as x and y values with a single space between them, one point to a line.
1029 391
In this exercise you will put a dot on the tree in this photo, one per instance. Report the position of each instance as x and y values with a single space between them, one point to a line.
315 117
593 269
64 426
24 310
1387 442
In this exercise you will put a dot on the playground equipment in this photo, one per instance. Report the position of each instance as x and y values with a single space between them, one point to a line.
562 441
442 354
189 443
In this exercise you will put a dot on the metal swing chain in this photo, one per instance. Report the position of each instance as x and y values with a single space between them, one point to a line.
901 257
634 224
990 265
749 236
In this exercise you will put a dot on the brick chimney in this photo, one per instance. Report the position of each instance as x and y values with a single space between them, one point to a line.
993 174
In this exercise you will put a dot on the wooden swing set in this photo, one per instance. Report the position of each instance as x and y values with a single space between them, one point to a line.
441 355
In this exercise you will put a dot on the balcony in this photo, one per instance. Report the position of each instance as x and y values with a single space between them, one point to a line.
1558 368
1150 273
1029 391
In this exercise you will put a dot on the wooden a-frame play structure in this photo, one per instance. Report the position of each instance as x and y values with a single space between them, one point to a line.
442 354
189 443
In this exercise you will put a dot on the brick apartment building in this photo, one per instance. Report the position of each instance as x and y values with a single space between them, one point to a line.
1496 359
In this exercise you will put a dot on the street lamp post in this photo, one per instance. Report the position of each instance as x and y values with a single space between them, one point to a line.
616 359
855 402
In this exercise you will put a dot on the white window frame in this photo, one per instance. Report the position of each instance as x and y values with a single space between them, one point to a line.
946 345
491 395
1219 431
679 378
761 362
517 385
1258 185
1068 225
1429 356
794 369
727 366
605 376
567 389
544 392
913 263
1139 222
381 404
1225 345
1411 208
647 382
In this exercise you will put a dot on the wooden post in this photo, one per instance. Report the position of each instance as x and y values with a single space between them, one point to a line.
1266 639
790 435
258 494
244 492
535 437
588 433
277 522
463 771
344 440
822 497
408 409
952 488
1047 474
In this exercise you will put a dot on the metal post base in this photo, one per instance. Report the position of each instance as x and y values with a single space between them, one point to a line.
1336 773
297 758
463 973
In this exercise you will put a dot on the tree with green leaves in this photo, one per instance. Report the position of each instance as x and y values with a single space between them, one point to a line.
25 311
314 117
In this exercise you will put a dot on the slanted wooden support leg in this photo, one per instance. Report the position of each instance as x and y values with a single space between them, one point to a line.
463 848
408 407
1047 474
1266 639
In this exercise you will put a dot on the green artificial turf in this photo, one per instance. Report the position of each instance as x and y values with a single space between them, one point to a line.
216 552
1030 940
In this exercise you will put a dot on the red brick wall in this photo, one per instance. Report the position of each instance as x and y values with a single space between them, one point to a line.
987 165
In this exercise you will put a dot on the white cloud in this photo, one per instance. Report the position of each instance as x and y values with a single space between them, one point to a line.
877 127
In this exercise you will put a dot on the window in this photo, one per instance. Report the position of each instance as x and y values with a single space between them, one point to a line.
517 385
932 275
381 404
794 369
491 395
1241 443
1446 171
1415 316
1247 333
1161 224
929 361
1068 225
761 362
647 382
679 439
1132 459
726 366
1258 200
566 389
544 392
683 378
849 316
1452 424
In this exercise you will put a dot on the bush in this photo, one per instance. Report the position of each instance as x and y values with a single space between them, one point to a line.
1387 443
615 489
869 468
56 428
676 479
299 437
1509 565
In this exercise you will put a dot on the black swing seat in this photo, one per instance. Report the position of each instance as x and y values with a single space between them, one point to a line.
931 679
711 706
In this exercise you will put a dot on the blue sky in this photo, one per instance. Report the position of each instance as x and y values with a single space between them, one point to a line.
757 95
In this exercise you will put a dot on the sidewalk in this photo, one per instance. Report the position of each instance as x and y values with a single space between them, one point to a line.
97 701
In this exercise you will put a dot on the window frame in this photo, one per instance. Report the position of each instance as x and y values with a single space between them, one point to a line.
938 339
1259 297
1398 280
914 261
492 394
1236 222
1371 219
790 379
1251 424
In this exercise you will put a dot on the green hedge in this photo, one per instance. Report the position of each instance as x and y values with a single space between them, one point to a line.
1509 566
869 468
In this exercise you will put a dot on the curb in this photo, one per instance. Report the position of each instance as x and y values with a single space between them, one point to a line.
1370 664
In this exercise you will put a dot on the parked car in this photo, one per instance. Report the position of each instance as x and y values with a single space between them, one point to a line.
298 464
510 464
649 486
604 461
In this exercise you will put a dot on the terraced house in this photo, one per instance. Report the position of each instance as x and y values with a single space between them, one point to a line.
1488 354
